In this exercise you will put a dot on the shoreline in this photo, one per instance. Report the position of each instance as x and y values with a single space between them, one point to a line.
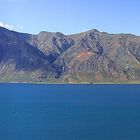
98 83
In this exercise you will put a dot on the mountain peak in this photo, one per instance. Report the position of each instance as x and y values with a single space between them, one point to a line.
93 30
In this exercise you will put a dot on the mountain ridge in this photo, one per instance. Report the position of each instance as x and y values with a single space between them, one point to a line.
87 57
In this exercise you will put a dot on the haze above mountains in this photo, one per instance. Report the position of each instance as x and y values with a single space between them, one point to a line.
87 57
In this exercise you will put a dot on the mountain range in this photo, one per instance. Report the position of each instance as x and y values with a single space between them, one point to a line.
87 57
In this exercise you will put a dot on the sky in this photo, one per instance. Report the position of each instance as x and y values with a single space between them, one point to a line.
71 16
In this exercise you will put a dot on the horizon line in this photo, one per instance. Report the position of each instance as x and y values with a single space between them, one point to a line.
88 30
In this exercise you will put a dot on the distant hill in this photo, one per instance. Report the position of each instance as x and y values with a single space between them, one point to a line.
88 57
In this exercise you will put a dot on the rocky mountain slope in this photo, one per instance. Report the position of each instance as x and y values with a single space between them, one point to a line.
89 57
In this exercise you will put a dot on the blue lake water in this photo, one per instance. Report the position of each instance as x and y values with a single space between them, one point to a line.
69 112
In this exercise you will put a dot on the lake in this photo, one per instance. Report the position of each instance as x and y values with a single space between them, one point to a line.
69 112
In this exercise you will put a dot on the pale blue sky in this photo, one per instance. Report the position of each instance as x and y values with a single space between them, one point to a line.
71 16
